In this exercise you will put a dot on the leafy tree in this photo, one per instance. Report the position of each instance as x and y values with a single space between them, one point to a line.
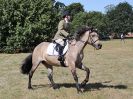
109 8
96 19
59 5
75 8
93 19
79 20
25 23
120 18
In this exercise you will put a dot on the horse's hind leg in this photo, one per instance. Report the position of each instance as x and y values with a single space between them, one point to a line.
50 75
82 67
34 67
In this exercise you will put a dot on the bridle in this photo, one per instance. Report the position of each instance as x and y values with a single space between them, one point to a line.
92 41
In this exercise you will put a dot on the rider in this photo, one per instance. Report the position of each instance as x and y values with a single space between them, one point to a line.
62 33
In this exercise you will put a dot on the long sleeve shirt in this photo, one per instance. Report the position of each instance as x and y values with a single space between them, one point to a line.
63 30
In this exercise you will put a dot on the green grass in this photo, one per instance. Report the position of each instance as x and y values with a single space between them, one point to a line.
111 75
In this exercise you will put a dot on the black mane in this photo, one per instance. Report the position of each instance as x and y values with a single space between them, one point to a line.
80 31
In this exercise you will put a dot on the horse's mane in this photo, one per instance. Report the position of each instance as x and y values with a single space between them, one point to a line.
80 31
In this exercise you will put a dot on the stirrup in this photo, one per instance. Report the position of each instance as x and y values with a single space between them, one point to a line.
61 58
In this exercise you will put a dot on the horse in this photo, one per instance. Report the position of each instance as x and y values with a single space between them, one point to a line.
73 57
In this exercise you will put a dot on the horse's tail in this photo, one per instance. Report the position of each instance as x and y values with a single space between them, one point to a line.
26 65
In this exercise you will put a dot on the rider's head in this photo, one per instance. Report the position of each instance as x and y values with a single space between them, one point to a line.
66 14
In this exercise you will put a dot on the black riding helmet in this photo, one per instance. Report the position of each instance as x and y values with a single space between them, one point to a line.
65 13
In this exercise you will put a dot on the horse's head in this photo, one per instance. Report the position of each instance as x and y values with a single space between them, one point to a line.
93 39
88 35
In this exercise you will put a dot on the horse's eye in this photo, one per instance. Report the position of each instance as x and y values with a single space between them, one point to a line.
93 35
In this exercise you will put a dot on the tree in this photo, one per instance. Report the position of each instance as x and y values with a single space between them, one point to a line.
75 8
120 18
79 20
93 19
96 19
109 8
25 23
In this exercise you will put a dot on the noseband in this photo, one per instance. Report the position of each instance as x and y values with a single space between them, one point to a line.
92 41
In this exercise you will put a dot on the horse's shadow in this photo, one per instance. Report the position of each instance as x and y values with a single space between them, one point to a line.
95 86
88 87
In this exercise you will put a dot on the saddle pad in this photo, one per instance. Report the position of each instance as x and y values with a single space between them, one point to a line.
51 49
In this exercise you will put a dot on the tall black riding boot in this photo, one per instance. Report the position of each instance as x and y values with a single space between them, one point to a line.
61 57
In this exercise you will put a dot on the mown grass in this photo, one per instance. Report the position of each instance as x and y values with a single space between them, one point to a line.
111 75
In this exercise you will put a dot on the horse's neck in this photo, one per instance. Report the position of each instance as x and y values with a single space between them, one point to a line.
82 42
81 45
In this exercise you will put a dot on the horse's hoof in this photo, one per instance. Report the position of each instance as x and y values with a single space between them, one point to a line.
79 91
83 84
55 86
30 88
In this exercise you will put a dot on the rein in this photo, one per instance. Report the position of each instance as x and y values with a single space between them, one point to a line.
82 41
92 42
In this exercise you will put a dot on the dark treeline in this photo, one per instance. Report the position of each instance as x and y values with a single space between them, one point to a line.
26 23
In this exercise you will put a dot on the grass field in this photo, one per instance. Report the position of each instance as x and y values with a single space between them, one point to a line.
111 75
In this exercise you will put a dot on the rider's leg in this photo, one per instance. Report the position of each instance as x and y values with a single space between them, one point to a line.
61 58
61 46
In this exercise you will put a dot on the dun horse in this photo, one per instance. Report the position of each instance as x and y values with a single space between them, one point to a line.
73 57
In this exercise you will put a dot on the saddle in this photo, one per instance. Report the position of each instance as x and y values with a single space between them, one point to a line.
53 49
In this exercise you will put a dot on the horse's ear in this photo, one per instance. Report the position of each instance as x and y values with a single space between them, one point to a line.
91 29
95 30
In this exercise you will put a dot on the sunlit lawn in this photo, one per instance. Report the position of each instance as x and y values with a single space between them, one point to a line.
111 75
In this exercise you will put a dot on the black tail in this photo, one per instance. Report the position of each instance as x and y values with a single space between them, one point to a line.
26 65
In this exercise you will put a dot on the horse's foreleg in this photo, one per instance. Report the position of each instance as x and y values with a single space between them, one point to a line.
76 79
87 74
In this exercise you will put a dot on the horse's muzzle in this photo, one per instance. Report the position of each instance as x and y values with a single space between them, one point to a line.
99 46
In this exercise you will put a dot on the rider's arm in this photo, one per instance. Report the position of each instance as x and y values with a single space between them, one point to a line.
63 32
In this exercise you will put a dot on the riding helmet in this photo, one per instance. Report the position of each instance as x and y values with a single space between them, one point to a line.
65 13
